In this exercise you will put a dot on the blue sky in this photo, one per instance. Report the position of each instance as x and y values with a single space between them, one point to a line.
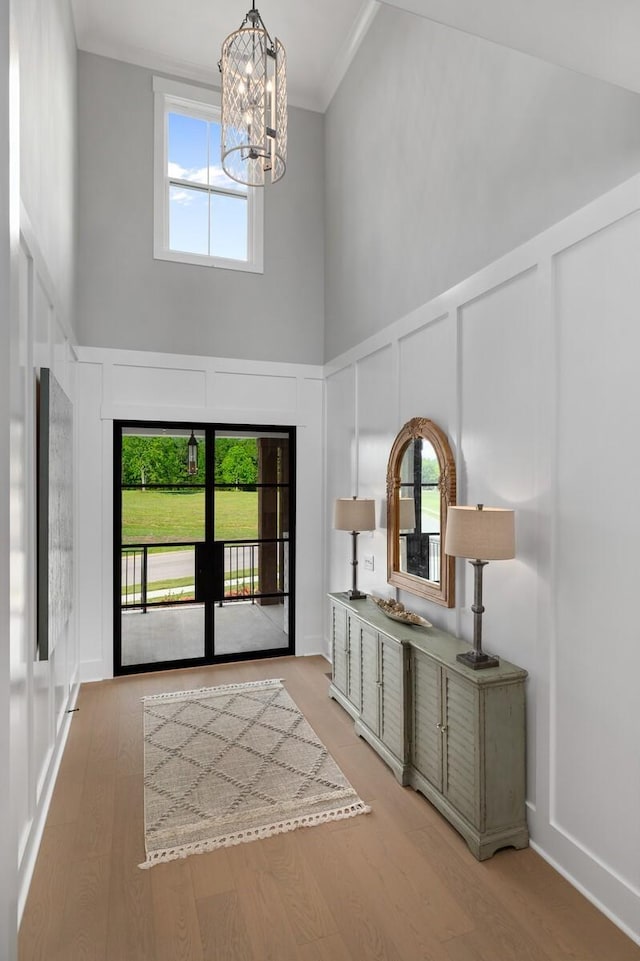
194 155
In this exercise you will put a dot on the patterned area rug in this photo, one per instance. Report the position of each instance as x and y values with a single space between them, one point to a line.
225 765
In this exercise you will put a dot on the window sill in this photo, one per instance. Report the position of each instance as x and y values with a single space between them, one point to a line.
201 260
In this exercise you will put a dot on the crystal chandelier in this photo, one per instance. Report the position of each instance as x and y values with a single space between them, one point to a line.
254 103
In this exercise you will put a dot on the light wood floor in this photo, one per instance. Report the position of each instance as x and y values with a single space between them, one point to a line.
398 884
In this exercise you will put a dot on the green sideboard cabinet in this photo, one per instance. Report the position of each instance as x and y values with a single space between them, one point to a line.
454 734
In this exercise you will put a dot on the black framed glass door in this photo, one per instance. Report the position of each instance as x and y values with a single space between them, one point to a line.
204 519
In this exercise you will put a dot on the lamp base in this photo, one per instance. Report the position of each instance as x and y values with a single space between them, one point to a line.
478 660
355 595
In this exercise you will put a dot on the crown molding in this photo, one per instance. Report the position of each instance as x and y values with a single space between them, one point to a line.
347 51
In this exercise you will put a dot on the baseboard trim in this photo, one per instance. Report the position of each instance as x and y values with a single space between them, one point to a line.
619 923
32 846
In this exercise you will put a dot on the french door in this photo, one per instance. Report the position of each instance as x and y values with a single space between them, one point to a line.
204 544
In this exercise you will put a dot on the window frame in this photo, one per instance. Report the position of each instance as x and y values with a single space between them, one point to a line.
170 96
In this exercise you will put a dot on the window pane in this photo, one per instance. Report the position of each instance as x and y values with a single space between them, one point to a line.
188 220
228 227
217 176
155 516
187 148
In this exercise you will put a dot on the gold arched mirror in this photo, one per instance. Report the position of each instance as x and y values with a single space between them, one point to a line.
421 486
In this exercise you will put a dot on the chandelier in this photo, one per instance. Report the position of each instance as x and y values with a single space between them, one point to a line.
254 104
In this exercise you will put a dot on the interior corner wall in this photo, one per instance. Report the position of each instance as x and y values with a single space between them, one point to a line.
8 875
126 299
40 334
530 367
142 385
445 151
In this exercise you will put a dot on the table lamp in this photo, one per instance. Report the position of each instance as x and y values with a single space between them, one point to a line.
483 534
354 514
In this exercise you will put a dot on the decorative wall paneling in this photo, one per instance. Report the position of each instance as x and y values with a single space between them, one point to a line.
530 366
135 385
42 691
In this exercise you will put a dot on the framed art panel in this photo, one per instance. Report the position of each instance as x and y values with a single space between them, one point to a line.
55 512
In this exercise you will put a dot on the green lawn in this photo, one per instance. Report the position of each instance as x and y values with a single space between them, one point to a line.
431 504
152 516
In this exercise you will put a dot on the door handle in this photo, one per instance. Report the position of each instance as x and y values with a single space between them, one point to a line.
209 578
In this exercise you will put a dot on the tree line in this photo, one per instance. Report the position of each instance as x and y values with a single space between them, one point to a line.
163 460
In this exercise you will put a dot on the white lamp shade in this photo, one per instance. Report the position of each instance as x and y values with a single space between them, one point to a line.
354 514
487 534
407 514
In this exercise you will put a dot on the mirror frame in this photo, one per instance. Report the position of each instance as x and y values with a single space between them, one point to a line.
442 592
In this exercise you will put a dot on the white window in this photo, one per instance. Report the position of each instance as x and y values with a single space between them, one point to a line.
201 216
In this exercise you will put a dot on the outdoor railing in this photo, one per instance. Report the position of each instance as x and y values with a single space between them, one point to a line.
243 572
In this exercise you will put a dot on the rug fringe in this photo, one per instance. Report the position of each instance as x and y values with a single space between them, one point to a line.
174 695
267 831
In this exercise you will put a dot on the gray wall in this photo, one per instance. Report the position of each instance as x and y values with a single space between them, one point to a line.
48 138
444 152
127 299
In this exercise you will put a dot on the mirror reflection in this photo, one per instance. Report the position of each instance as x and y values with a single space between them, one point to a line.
419 511
421 485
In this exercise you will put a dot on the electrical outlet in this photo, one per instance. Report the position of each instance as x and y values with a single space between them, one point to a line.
368 562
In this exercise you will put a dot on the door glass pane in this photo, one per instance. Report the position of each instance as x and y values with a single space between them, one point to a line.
163 517
252 523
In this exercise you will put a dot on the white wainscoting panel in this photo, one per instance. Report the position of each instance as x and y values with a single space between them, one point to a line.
531 367
91 478
428 374
133 385
41 691
498 444
141 385
340 454
597 651
242 391
377 404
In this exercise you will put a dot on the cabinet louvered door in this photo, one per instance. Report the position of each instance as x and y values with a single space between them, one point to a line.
339 647
460 717
392 699
370 705
427 717
354 631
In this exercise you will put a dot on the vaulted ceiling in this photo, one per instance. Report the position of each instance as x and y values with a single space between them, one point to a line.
596 37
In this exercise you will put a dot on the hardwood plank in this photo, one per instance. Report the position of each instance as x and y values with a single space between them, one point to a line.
175 916
95 822
306 909
130 928
40 929
464 878
326 949
398 884
267 918
66 802
84 926
223 928
387 857
130 743
362 924
210 874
